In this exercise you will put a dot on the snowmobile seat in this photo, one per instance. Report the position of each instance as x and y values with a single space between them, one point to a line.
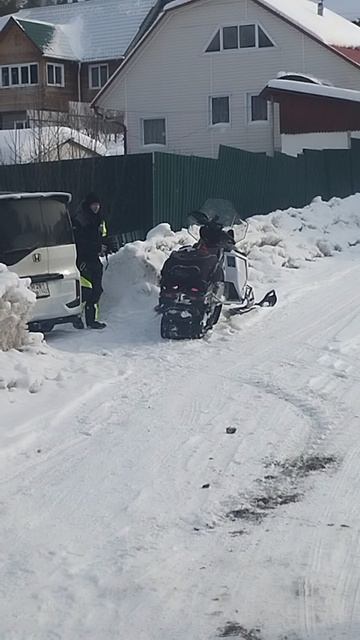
190 265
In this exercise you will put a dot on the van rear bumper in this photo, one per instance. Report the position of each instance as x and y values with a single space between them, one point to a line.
64 301
44 326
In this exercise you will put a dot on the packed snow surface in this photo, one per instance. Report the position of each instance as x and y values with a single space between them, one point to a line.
195 490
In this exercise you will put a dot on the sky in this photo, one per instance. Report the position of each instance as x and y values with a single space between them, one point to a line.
347 8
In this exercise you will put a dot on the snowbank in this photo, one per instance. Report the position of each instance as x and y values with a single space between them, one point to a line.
16 301
280 240
134 271
290 239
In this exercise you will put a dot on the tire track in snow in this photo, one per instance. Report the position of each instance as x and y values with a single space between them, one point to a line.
342 479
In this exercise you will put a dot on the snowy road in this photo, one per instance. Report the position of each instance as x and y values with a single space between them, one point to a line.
107 533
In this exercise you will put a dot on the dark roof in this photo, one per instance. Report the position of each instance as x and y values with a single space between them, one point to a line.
88 31
40 33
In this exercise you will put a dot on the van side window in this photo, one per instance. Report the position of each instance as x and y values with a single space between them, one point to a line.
29 224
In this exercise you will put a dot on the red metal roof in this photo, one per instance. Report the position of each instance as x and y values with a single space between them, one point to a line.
350 53
312 113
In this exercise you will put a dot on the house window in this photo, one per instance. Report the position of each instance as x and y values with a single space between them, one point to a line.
258 109
154 131
20 75
24 75
34 74
264 40
98 75
21 124
215 43
247 34
55 74
243 36
219 110
230 38
15 76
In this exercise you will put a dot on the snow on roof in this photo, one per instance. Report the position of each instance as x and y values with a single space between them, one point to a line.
21 146
302 77
35 194
314 89
94 30
330 28
54 41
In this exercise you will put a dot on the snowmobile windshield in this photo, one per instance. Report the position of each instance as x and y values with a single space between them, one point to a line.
27 224
223 212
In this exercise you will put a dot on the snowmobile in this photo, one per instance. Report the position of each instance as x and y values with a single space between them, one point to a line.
198 280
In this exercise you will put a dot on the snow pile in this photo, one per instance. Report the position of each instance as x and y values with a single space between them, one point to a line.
24 370
291 238
135 269
274 242
16 301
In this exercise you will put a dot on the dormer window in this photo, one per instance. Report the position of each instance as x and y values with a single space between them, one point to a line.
243 36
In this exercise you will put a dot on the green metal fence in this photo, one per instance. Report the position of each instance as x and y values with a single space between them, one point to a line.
140 191
124 184
253 182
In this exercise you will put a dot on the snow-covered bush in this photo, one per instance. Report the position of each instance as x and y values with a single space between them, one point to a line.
16 301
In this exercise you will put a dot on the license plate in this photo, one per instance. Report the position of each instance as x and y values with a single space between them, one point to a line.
41 289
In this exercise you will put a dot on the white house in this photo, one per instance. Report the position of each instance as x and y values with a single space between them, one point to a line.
193 80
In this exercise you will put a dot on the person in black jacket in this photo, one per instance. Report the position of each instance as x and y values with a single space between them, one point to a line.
89 232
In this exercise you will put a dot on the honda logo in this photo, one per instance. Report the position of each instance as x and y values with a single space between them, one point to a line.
36 257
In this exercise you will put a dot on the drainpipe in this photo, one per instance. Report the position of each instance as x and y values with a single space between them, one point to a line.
79 82
272 116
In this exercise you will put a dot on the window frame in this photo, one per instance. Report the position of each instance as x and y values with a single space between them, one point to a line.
223 48
24 123
249 24
218 125
238 25
158 145
98 66
19 67
54 65
249 119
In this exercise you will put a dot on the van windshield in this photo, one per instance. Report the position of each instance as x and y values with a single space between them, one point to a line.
29 224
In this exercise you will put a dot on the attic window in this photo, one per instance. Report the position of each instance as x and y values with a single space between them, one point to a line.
230 38
247 36
243 36
215 43
264 40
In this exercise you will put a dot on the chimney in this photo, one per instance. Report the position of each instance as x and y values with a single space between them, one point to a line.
320 8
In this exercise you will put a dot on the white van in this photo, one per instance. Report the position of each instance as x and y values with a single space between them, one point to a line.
36 241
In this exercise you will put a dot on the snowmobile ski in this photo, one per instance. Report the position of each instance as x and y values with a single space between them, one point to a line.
269 300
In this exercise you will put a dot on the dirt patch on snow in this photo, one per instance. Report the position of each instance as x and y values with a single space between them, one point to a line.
303 465
283 486
260 506
233 629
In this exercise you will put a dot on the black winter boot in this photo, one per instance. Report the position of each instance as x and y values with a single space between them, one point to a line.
97 325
